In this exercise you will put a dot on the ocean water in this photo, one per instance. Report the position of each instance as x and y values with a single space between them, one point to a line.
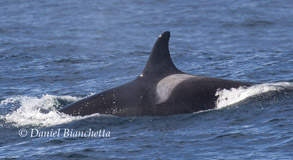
55 52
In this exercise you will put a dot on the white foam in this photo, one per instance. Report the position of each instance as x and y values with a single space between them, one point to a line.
232 96
30 111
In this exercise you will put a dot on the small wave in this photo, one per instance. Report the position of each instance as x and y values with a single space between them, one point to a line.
235 95
36 111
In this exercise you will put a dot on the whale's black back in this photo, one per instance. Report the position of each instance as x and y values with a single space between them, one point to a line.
140 96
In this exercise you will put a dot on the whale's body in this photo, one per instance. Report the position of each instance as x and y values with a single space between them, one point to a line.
161 89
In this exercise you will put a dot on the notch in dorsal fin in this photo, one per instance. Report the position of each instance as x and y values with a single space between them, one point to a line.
160 62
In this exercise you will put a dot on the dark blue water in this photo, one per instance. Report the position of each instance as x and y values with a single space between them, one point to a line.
55 52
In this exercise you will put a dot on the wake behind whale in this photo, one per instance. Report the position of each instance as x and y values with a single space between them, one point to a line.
161 89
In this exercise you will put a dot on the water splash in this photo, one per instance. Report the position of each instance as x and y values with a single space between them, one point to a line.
235 95
38 111
43 111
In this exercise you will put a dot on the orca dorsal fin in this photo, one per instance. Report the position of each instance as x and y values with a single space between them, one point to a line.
160 62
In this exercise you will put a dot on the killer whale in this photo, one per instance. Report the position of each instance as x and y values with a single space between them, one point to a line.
160 90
